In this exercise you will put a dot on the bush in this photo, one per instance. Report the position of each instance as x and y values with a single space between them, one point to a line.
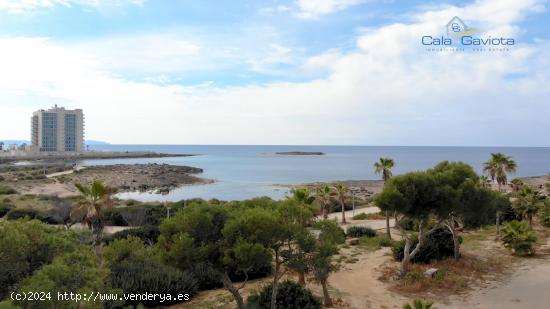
148 275
75 271
419 304
544 213
207 277
26 246
135 215
21 213
359 231
4 209
5 190
361 216
438 246
149 234
518 237
290 295
408 224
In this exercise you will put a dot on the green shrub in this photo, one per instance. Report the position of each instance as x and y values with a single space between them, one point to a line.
290 295
21 213
359 231
386 242
419 304
408 224
361 216
5 190
544 213
73 272
148 234
4 209
148 275
26 246
437 246
518 237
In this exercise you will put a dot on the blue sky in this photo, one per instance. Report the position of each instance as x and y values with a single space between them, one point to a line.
276 72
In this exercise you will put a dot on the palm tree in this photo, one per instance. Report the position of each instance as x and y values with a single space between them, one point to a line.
341 191
548 185
305 199
497 167
528 202
517 184
384 166
324 195
89 209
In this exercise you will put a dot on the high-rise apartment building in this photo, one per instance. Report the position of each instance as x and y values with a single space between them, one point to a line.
58 130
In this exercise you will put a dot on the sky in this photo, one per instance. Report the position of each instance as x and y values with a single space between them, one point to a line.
314 72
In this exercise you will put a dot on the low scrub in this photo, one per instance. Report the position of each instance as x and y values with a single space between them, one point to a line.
148 275
5 190
4 209
360 231
290 295
149 234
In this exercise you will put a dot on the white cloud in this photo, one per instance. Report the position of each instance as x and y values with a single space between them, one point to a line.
316 8
22 6
388 90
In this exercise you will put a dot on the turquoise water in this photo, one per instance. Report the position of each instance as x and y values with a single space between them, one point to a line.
247 171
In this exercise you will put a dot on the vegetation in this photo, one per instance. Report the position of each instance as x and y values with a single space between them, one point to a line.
26 246
341 192
528 202
544 213
324 195
497 168
518 237
439 245
291 295
89 210
384 167
419 304
359 231
5 190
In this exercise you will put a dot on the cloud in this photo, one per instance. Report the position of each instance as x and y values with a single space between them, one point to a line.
22 6
314 8
388 90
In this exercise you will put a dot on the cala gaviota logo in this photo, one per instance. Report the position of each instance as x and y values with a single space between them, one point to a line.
460 36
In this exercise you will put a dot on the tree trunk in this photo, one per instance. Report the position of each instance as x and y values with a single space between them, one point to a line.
275 281
498 224
388 232
325 211
233 290
97 231
530 216
343 212
456 243
301 278
406 258
328 300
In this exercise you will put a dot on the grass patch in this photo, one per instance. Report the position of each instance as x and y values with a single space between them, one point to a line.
375 243
453 276
474 239
370 216
5 190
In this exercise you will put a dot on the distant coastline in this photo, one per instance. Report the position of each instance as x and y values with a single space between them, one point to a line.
300 153
6 158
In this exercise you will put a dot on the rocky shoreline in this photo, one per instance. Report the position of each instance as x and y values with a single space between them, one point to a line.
159 178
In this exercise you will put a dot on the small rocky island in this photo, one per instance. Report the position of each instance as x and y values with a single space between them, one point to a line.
300 153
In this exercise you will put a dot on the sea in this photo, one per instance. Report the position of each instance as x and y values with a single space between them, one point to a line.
247 171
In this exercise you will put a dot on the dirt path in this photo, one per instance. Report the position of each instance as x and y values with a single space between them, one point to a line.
358 285
528 287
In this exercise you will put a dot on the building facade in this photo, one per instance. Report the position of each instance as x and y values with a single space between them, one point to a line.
58 130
